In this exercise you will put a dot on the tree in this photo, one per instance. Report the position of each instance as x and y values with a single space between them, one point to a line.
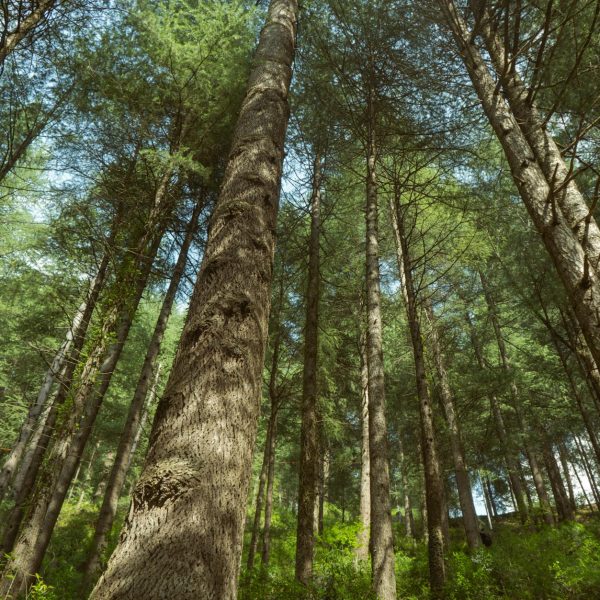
188 477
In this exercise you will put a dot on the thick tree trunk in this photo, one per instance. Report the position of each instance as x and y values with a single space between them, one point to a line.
382 542
10 39
362 547
463 484
39 408
433 478
309 437
183 536
131 428
563 244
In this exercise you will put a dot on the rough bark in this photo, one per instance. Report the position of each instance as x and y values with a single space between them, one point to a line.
458 455
362 548
562 243
382 542
11 38
309 436
39 407
183 536
433 478
131 428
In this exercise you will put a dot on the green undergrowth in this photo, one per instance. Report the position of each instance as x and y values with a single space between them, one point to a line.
524 563
552 563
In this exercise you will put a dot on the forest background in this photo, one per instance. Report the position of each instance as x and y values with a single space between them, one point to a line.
431 374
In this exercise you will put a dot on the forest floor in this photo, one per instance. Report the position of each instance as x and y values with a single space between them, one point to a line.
523 563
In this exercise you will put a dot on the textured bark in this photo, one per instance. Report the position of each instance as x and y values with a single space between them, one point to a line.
562 243
39 408
309 437
458 455
183 536
362 548
131 428
11 38
433 478
547 153
382 542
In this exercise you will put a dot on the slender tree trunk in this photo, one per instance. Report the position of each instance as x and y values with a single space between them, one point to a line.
54 481
266 536
382 542
489 508
36 411
187 515
588 470
490 491
309 437
513 466
586 497
260 497
463 484
563 455
433 478
9 41
565 513
125 448
563 244
88 475
362 547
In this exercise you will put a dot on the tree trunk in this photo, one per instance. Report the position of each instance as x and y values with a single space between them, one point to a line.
362 547
512 462
563 455
565 513
9 41
382 542
547 153
433 478
36 411
131 428
266 536
570 259
71 437
309 437
588 470
183 536
463 484
260 497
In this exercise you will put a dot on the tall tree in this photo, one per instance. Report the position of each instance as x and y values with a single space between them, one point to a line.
198 467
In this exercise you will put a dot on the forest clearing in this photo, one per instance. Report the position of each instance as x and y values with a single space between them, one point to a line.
300 300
